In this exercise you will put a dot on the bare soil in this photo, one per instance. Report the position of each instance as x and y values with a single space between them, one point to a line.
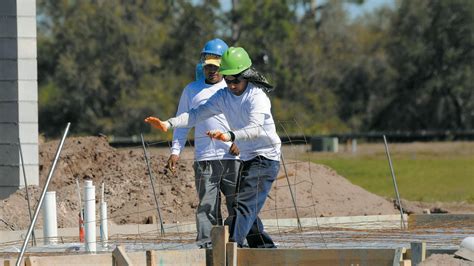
317 189
444 259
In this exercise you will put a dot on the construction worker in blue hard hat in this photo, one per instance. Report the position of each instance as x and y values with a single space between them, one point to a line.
247 108
216 164
212 47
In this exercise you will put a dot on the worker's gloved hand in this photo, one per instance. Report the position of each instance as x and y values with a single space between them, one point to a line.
217 134
234 150
171 165
157 123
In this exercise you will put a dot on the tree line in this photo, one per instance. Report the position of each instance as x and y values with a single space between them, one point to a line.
105 65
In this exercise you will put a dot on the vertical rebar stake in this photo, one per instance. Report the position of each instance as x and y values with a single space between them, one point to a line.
43 193
152 185
291 192
394 181
26 190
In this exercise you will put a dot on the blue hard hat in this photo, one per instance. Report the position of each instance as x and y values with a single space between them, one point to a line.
215 46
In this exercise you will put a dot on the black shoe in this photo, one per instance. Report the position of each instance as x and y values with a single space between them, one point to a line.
207 245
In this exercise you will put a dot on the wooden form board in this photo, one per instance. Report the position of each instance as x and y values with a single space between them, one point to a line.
235 256
163 257
120 257
328 257
418 252
219 236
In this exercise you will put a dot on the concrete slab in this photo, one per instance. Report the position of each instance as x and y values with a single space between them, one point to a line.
417 221
370 222
114 230
190 227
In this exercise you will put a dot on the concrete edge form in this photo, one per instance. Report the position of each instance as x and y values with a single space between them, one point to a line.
163 257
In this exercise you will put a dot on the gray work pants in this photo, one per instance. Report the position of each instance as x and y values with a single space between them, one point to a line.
213 177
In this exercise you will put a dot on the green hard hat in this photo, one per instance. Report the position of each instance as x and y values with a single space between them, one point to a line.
234 61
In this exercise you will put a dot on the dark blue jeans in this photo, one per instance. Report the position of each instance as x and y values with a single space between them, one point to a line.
255 182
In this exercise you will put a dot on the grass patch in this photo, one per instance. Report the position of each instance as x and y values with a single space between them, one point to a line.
422 175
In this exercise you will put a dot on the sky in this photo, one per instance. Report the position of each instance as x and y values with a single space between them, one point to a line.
368 6
354 10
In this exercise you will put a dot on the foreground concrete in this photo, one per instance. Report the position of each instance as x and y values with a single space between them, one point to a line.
375 222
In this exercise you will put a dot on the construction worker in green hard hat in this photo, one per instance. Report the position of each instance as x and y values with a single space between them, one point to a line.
247 109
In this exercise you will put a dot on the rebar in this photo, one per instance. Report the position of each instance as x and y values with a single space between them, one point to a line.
43 193
394 182
152 185
26 190
291 192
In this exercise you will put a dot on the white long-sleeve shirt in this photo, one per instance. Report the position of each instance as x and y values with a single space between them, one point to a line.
249 116
195 94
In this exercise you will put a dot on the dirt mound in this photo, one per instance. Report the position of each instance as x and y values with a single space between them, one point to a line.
128 190
320 191
317 190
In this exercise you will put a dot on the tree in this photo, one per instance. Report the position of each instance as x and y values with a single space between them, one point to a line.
285 47
104 65
368 76
431 51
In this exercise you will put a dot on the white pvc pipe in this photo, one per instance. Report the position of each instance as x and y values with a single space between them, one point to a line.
104 230
89 217
50 223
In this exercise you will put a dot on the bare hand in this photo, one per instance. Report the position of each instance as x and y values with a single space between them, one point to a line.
234 149
157 123
171 165
217 134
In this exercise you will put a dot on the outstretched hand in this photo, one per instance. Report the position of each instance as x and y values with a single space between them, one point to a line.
157 123
217 134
